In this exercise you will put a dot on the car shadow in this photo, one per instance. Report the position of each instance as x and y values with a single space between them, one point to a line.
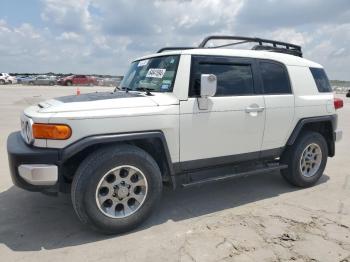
33 221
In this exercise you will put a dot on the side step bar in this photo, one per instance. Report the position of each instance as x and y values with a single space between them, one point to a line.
230 176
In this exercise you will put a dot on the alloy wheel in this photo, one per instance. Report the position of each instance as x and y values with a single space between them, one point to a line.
121 191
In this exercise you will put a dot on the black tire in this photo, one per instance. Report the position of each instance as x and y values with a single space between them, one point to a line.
2 82
51 83
31 83
91 171
69 83
292 157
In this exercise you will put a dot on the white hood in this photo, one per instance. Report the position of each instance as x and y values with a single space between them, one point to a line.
105 100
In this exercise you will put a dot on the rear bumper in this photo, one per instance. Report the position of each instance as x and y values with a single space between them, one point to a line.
338 135
31 168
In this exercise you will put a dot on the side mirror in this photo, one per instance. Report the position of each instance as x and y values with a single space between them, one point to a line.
208 85
208 89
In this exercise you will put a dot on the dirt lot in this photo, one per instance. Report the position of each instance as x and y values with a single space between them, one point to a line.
256 218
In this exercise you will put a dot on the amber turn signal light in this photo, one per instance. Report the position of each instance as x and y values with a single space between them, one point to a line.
51 131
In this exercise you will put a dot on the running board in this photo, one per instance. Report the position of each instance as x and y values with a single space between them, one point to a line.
230 176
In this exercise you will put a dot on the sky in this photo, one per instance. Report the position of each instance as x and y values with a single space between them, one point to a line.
104 36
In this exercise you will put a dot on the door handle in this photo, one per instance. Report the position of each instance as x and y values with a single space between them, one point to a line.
251 109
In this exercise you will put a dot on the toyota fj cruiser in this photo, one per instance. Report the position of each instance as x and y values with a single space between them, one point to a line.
181 117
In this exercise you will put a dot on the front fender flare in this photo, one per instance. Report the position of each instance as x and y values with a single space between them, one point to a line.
86 142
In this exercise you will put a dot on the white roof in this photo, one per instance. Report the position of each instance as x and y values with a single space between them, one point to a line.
279 57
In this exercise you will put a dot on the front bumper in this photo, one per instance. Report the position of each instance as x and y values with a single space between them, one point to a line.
33 169
39 174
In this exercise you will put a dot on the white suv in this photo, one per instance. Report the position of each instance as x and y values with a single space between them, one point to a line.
182 117
5 78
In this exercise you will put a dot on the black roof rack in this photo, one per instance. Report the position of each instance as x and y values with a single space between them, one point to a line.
262 44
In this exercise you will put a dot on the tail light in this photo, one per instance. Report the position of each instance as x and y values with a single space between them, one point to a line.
338 103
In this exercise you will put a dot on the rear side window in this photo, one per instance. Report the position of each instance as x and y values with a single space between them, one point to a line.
232 79
321 80
275 78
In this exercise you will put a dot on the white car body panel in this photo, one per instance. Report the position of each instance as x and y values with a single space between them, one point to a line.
164 118
279 118
222 130
99 105
182 78
192 134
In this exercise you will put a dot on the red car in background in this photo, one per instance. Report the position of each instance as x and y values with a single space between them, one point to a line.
78 80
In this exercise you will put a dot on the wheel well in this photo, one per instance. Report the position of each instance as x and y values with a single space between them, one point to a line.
153 146
325 128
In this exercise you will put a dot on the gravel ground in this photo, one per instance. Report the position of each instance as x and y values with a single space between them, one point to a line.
255 218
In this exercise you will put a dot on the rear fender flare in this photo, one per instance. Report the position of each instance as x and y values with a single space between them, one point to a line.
320 119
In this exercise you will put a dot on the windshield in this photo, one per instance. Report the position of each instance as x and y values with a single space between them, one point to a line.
155 74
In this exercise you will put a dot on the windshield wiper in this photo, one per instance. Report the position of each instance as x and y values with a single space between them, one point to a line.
127 89
117 88
145 89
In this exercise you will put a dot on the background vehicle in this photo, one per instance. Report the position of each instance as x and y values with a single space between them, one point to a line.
20 78
39 80
77 80
3 80
26 80
9 79
109 81
187 116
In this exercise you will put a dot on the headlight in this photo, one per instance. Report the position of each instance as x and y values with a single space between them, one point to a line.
26 130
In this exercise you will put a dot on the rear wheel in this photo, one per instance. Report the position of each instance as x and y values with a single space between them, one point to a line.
116 188
306 159
68 83
2 82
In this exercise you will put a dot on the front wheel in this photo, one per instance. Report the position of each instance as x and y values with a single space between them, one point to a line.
116 188
306 159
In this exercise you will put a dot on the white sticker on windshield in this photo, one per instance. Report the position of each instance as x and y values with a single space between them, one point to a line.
143 62
156 72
